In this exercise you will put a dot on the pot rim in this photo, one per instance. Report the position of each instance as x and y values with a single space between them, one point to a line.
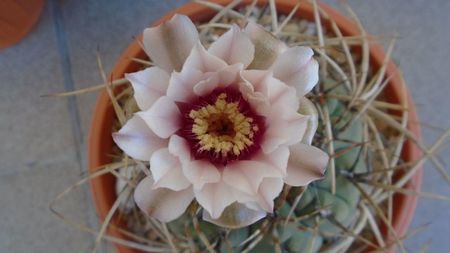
100 140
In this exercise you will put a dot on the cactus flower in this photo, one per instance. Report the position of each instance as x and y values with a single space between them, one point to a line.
221 125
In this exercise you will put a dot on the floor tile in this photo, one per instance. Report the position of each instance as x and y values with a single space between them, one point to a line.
32 128
26 221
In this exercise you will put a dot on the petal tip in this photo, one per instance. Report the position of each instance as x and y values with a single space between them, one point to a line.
235 216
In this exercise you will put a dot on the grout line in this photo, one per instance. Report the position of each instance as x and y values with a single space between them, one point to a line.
72 103
66 67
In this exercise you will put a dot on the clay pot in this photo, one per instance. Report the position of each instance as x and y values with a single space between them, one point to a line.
101 143
17 18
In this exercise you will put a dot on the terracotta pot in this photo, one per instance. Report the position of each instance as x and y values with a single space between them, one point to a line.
101 143
17 18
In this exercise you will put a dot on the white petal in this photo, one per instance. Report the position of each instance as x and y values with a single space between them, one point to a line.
282 99
291 60
137 140
200 173
226 77
148 85
259 103
297 68
257 79
306 164
305 80
202 60
170 43
246 176
179 147
257 100
286 107
163 117
207 85
235 216
163 204
267 46
278 158
244 198
181 85
307 108
167 172
234 46
255 95
283 131
253 205
280 96
214 198
229 75
269 189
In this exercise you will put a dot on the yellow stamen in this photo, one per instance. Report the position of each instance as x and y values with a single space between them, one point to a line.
222 128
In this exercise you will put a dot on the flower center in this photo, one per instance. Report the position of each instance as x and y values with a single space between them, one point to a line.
222 127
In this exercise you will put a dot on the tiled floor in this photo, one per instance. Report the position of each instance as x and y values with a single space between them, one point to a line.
43 140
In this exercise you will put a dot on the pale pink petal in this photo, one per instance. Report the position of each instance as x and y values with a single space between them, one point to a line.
214 197
229 75
267 46
285 103
137 140
148 85
307 108
259 103
283 131
280 96
180 148
203 61
163 117
291 60
200 172
166 171
246 176
247 199
163 204
306 164
170 43
253 205
257 99
297 68
305 80
257 79
278 158
226 77
234 47
235 216
269 189
207 85
181 84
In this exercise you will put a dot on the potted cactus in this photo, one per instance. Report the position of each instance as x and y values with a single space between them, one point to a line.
258 126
